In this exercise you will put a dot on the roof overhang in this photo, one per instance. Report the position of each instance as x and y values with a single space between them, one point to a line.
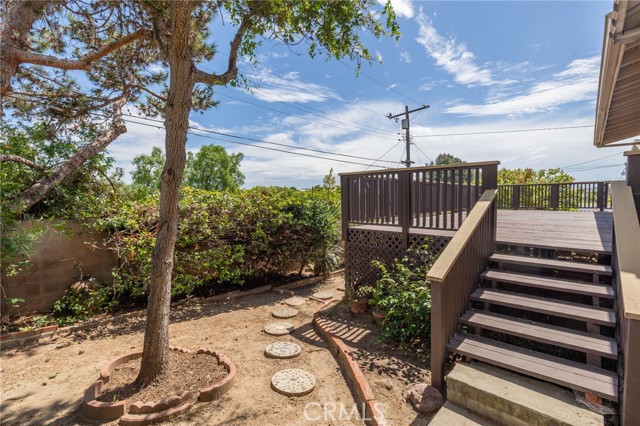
618 106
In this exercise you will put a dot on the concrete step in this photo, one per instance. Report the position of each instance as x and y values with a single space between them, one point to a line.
454 415
511 399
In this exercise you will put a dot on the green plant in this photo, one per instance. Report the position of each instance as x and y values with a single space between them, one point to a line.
404 294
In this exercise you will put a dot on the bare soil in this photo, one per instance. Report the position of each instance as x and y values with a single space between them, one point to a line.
43 384
389 370
186 372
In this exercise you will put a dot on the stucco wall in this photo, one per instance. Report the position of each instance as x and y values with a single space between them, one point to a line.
53 267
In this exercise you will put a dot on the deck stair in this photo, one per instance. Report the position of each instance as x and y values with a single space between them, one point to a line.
552 320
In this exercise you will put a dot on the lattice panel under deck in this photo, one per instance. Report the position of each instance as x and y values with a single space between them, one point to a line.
364 246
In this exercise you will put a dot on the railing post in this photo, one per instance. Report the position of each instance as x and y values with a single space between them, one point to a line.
554 196
404 215
344 204
438 338
515 197
600 198
490 177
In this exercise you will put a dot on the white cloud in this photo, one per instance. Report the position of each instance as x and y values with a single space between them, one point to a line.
405 57
403 8
578 82
454 57
288 88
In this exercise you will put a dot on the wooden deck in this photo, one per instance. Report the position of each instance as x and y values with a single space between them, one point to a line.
588 231
580 231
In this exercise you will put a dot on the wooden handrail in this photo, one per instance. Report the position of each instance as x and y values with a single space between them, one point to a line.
626 271
441 268
627 238
426 168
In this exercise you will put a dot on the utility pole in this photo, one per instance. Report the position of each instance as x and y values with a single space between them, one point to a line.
405 126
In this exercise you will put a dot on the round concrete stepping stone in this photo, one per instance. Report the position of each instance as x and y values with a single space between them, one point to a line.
282 350
293 382
324 295
284 312
278 328
295 301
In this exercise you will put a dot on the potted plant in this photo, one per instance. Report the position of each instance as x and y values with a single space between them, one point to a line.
358 300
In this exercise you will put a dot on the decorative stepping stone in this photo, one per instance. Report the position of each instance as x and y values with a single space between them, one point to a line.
295 301
278 328
282 350
293 382
284 312
324 295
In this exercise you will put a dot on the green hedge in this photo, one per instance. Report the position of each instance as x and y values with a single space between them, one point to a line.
225 238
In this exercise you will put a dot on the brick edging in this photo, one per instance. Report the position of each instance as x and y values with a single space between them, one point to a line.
350 368
141 413
20 338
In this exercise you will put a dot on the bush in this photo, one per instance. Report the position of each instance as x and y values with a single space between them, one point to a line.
404 294
225 238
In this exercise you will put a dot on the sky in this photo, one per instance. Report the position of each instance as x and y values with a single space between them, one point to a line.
496 66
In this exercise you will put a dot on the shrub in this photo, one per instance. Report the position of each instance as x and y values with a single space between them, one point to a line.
226 238
404 294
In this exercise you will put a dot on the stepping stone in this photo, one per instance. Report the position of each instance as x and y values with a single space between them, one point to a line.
293 382
282 350
324 295
295 301
285 312
278 328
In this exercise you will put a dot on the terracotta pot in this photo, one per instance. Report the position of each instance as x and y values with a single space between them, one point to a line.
378 314
358 306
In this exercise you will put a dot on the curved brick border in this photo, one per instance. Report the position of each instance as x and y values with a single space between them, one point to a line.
350 368
144 413
211 393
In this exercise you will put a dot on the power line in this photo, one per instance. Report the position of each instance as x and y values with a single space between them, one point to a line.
380 83
591 161
397 143
423 153
260 140
503 131
253 145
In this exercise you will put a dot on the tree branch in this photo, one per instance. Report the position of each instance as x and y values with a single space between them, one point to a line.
42 187
232 67
17 159
83 63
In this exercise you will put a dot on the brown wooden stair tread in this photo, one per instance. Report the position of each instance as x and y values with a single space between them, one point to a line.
567 373
545 333
550 283
589 314
563 265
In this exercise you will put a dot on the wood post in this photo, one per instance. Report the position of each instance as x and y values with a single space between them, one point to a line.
554 196
601 200
344 201
515 197
405 218
490 177
633 174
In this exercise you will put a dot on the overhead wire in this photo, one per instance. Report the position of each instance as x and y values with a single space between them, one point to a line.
492 132
382 156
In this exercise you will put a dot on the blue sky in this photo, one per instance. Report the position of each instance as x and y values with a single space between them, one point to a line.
481 66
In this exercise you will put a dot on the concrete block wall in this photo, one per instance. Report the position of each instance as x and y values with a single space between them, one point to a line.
53 267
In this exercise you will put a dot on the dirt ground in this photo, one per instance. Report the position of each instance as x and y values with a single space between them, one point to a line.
389 370
43 384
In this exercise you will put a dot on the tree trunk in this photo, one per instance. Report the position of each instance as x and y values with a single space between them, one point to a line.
42 187
155 357
14 31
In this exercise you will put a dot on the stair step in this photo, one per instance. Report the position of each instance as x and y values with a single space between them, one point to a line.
451 414
571 374
545 333
563 265
547 283
589 314
510 398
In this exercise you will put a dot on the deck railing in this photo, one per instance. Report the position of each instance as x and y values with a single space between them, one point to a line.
555 196
626 266
434 197
454 276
